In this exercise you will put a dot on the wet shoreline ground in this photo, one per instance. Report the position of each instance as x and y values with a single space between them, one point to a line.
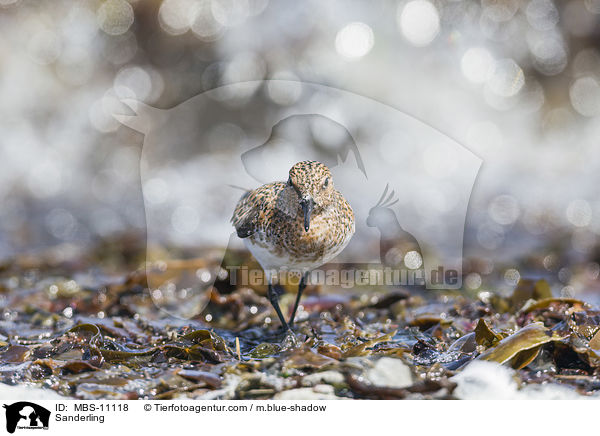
85 332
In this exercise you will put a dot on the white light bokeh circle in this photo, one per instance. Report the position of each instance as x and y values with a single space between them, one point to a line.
156 190
506 79
473 281
585 96
419 22
504 209
500 10
477 64
354 40
549 51
115 17
204 25
413 260
542 14
133 82
579 213
176 16
512 276
230 13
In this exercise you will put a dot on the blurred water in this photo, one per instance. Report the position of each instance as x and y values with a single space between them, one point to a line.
517 82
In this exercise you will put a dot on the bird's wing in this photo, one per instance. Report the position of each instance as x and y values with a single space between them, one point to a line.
245 216
252 206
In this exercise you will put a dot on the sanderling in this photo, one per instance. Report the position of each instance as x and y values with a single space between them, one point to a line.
299 225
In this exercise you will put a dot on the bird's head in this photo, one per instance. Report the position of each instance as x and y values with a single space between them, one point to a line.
382 215
313 184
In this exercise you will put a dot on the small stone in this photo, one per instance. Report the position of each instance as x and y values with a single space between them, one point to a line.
390 372
328 377
323 389
485 380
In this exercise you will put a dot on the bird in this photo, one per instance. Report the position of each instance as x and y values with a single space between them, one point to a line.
298 225
392 233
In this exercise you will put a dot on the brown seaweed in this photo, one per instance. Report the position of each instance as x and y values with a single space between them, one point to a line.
520 348
107 339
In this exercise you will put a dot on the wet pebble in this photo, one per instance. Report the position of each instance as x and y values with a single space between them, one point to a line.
328 377
390 372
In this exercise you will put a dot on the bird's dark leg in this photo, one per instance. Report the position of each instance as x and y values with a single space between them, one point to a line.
273 296
301 287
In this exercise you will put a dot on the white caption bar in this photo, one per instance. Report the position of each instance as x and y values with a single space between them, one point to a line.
72 417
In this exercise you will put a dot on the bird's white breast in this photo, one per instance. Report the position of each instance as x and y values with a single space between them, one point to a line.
270 258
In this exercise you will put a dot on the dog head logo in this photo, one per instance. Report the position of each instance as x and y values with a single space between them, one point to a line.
26 415
404 179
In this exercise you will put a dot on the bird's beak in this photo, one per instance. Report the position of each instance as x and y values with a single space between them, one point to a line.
307 206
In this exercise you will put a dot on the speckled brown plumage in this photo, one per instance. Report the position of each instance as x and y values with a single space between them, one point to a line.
300 225
270 218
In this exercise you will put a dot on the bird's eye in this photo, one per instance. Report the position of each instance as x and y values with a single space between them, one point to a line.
326 183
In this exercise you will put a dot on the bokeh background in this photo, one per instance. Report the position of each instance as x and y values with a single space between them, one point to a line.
517 82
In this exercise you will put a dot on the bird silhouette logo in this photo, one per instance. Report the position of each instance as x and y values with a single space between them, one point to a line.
24 414
200 156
